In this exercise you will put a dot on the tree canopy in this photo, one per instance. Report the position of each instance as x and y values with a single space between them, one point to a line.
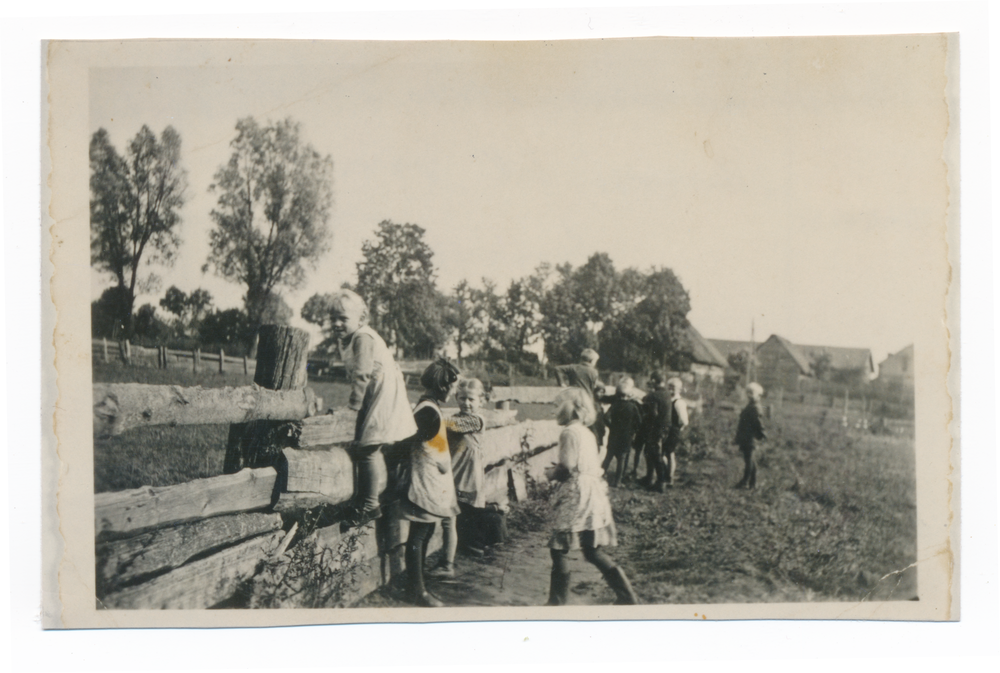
275 195
397 279
135 201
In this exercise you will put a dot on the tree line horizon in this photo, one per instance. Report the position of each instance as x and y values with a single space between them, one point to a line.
274 199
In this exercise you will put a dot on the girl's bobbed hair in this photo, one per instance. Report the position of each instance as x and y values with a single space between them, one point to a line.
576 403
348 301
438 377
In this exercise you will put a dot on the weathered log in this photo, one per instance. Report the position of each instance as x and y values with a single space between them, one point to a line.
524 438
282 352
149 507
327 568
329 473
122 562
525 394
200 584
337 427
121 406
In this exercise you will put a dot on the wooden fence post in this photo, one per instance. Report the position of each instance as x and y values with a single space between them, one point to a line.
222 360
246 366
281 365
196 359
104 344
127 352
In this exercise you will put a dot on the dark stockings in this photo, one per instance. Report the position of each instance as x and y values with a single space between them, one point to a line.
749 469
416 554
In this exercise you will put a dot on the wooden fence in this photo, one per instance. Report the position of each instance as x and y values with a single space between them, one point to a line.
267 536
162 357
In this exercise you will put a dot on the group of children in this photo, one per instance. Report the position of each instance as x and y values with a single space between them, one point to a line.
436 468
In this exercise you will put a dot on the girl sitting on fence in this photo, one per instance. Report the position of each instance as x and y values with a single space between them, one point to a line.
582 511
431 494
378 394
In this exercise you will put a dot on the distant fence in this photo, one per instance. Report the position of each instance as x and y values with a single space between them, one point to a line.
161 357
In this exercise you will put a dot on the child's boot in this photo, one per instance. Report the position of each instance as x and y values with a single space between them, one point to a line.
443 569
558 588
618 581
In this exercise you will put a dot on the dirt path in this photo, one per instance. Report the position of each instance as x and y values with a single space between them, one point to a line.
515 573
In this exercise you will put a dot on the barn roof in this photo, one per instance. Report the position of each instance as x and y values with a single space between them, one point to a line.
842 358
727 347
702 350
904 351
800 358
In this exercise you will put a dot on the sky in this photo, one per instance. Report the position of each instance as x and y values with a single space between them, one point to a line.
795 183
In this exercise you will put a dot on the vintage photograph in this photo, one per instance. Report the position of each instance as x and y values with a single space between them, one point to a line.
432 331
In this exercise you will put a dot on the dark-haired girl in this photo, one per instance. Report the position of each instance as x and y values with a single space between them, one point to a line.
431 495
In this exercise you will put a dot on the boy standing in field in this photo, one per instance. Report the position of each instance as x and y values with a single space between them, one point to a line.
378 394
749 431
585 375
623 419
665 419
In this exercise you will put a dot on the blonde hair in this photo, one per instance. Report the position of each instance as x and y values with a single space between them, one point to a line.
624 386
575 403
590 356
348 301
473 386
677 380
755 388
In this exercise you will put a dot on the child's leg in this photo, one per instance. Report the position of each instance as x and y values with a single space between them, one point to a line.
747 465
449 534
612 572
671 465
366 458
622 463
559 579
416 551
752 482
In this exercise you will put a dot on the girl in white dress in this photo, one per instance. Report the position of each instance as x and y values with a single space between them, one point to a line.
582 510
378 394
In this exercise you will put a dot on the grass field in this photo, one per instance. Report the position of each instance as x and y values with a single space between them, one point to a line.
833 518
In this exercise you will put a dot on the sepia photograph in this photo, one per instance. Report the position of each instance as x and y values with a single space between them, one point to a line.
383 331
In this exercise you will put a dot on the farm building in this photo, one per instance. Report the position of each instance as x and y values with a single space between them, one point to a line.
898 368
781 364
843 365
706 360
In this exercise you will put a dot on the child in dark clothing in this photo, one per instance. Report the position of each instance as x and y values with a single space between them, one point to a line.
623 419
749 431
585 376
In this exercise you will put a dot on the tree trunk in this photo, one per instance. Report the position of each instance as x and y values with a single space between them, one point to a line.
281 365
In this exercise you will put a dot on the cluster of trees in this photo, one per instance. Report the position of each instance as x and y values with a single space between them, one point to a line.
636 320
274 199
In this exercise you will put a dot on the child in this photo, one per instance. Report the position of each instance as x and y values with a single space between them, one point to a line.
675 424
465 431
431 494
378 394
582 511
623 419
748 432
586 377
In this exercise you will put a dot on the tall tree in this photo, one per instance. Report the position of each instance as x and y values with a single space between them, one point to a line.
653 332
577 306
515 317
134 209
275 197
397 279
188 309
468 317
